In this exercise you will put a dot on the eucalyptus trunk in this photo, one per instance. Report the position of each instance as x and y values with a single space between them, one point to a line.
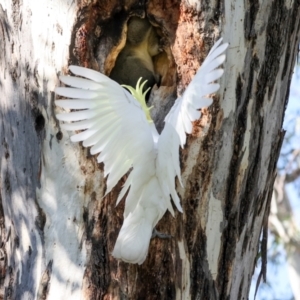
58 231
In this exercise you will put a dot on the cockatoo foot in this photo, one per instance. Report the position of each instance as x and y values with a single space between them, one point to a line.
160 235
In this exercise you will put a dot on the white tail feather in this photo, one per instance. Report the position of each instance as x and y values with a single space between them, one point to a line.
134 239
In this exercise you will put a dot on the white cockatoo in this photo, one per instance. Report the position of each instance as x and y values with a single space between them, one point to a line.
118 127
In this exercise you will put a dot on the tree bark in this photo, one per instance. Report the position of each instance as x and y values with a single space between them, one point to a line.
58 231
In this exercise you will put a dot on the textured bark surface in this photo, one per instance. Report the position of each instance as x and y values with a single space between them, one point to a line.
58 231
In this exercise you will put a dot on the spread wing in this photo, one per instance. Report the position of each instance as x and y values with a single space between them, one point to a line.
179 120
113 121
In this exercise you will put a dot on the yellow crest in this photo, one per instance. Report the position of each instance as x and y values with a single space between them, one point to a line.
138 94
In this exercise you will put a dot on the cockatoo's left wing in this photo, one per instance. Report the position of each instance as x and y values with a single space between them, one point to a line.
179 120
114 123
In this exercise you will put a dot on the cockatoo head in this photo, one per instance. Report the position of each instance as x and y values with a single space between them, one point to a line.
138 94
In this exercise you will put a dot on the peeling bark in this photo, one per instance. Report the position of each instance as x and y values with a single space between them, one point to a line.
57 230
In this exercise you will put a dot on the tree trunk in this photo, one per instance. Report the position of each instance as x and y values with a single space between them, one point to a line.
58 231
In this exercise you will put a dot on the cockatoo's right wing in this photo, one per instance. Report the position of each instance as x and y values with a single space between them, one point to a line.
179 120
113 123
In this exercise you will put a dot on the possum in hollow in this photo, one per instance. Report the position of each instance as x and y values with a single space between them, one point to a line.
136 58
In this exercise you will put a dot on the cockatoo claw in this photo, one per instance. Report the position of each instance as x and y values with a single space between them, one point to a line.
160 235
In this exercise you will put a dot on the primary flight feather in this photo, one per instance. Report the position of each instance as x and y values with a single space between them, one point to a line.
118 128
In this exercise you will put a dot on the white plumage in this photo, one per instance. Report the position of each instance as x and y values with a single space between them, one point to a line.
116 128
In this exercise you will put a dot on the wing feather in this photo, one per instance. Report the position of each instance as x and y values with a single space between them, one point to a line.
79 137
80 125
92 75
184 111
80 83
76 103
116 173
78 115
76 93
213 75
